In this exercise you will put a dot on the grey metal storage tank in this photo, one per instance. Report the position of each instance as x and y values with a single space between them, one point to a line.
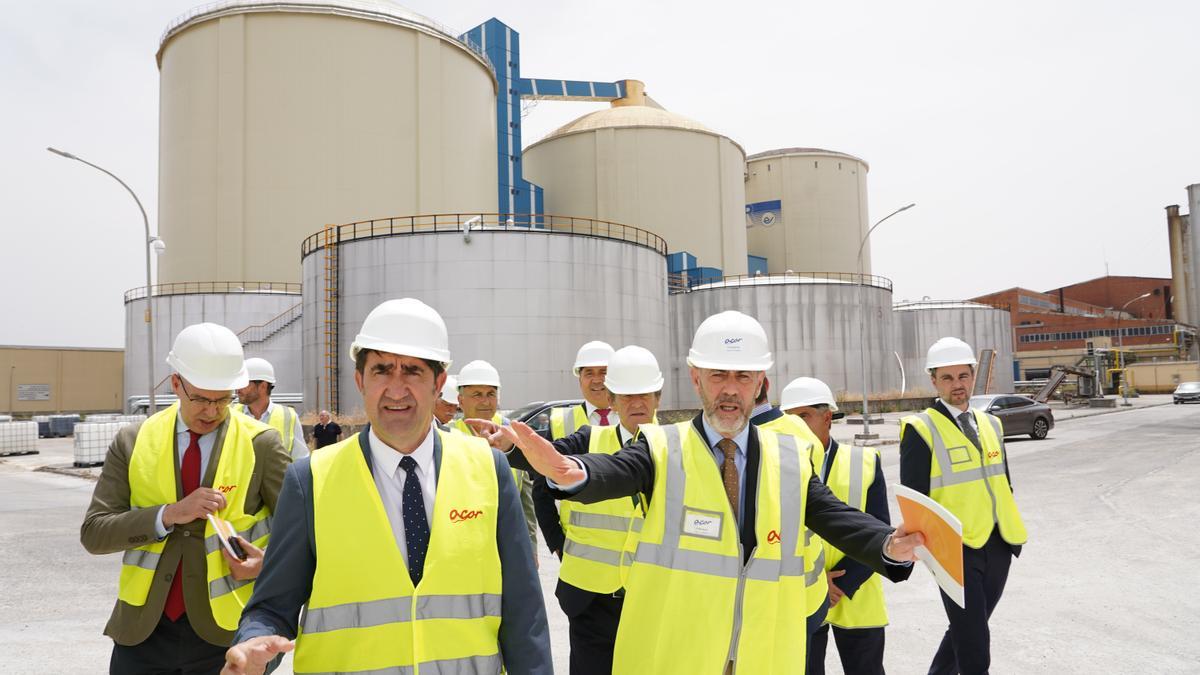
265 316
920 324
642 164
278 118
813 327
806 209
523 300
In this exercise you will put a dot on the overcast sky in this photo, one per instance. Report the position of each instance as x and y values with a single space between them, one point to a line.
1040 140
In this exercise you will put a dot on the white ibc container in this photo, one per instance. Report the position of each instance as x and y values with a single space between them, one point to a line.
18 438
92 440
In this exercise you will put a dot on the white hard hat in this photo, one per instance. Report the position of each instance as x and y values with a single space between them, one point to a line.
806 391
260 369
595 353
730 341
633 370
407 327
950 351
450 390
209 356
478 372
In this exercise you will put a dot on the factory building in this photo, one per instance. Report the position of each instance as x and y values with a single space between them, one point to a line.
320 156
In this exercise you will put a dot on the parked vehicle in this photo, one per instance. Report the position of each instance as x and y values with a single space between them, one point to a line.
1019 414
537 414
1187 392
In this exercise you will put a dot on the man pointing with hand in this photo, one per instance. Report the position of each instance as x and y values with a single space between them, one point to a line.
716 578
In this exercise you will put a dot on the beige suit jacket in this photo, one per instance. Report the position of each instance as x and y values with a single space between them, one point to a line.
111 526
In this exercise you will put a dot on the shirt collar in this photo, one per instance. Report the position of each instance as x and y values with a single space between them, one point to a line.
760 409
714 437
384 457
181 427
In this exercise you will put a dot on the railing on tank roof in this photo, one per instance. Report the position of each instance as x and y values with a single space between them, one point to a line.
684 282
352 7
481 222
952 304
193 287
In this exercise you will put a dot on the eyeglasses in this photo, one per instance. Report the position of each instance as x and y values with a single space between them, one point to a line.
200 400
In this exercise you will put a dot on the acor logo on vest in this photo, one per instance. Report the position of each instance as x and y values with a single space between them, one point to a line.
993 454
226 489
772 537
457 516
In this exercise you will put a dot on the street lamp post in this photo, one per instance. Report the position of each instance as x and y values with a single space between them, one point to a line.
866 434
152 242
1121 350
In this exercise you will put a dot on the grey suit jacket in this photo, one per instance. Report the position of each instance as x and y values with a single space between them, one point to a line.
286 580
111 526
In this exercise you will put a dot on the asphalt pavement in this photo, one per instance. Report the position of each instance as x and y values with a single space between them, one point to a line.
1107 584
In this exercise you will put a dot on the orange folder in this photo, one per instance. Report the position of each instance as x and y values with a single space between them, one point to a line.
942 551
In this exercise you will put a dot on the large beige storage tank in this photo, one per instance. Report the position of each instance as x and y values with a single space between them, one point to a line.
821 215
645 165
279 118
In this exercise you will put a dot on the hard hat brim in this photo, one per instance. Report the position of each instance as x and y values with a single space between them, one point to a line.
201 381
362 342
762 365
652 388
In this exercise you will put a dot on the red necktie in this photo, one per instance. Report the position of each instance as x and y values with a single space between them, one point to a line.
189 476
603 413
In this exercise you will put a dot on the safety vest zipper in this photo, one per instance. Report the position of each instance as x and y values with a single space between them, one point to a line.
737 609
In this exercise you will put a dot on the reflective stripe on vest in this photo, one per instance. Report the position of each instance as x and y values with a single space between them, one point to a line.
282 419
363 616
851 474
598 534
688 562
971 482
152 481
814 547
566 421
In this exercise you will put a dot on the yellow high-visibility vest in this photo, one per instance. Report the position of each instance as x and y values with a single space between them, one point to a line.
970 482
815 581
363 613
691 606
566 421
152 469
598 534
850 477
282 419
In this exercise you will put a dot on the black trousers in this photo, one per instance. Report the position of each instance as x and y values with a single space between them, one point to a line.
172 649
860 650
966 647
593 634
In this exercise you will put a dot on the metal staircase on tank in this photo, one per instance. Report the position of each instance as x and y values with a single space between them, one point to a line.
260 333
330 316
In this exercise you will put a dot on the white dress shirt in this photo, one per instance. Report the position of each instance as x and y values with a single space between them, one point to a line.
594 417
389 480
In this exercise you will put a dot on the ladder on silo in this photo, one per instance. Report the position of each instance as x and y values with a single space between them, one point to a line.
330 329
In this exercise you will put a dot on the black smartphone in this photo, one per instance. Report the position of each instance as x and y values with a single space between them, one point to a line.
235 544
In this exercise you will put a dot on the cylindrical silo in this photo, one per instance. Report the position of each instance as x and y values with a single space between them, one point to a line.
642 164
277 119
920 324
523 300
266 318
806 209
813 324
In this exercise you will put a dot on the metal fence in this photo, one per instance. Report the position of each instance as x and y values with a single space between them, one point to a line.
481 222
683 282
193 287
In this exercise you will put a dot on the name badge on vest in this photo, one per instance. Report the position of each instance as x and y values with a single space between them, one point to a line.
701 523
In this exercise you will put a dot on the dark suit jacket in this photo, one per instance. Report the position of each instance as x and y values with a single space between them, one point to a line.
631 471
916 461
111 526
286 580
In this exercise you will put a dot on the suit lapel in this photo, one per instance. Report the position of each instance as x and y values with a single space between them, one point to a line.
214 457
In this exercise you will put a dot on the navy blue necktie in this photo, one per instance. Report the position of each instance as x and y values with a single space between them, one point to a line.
416 525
